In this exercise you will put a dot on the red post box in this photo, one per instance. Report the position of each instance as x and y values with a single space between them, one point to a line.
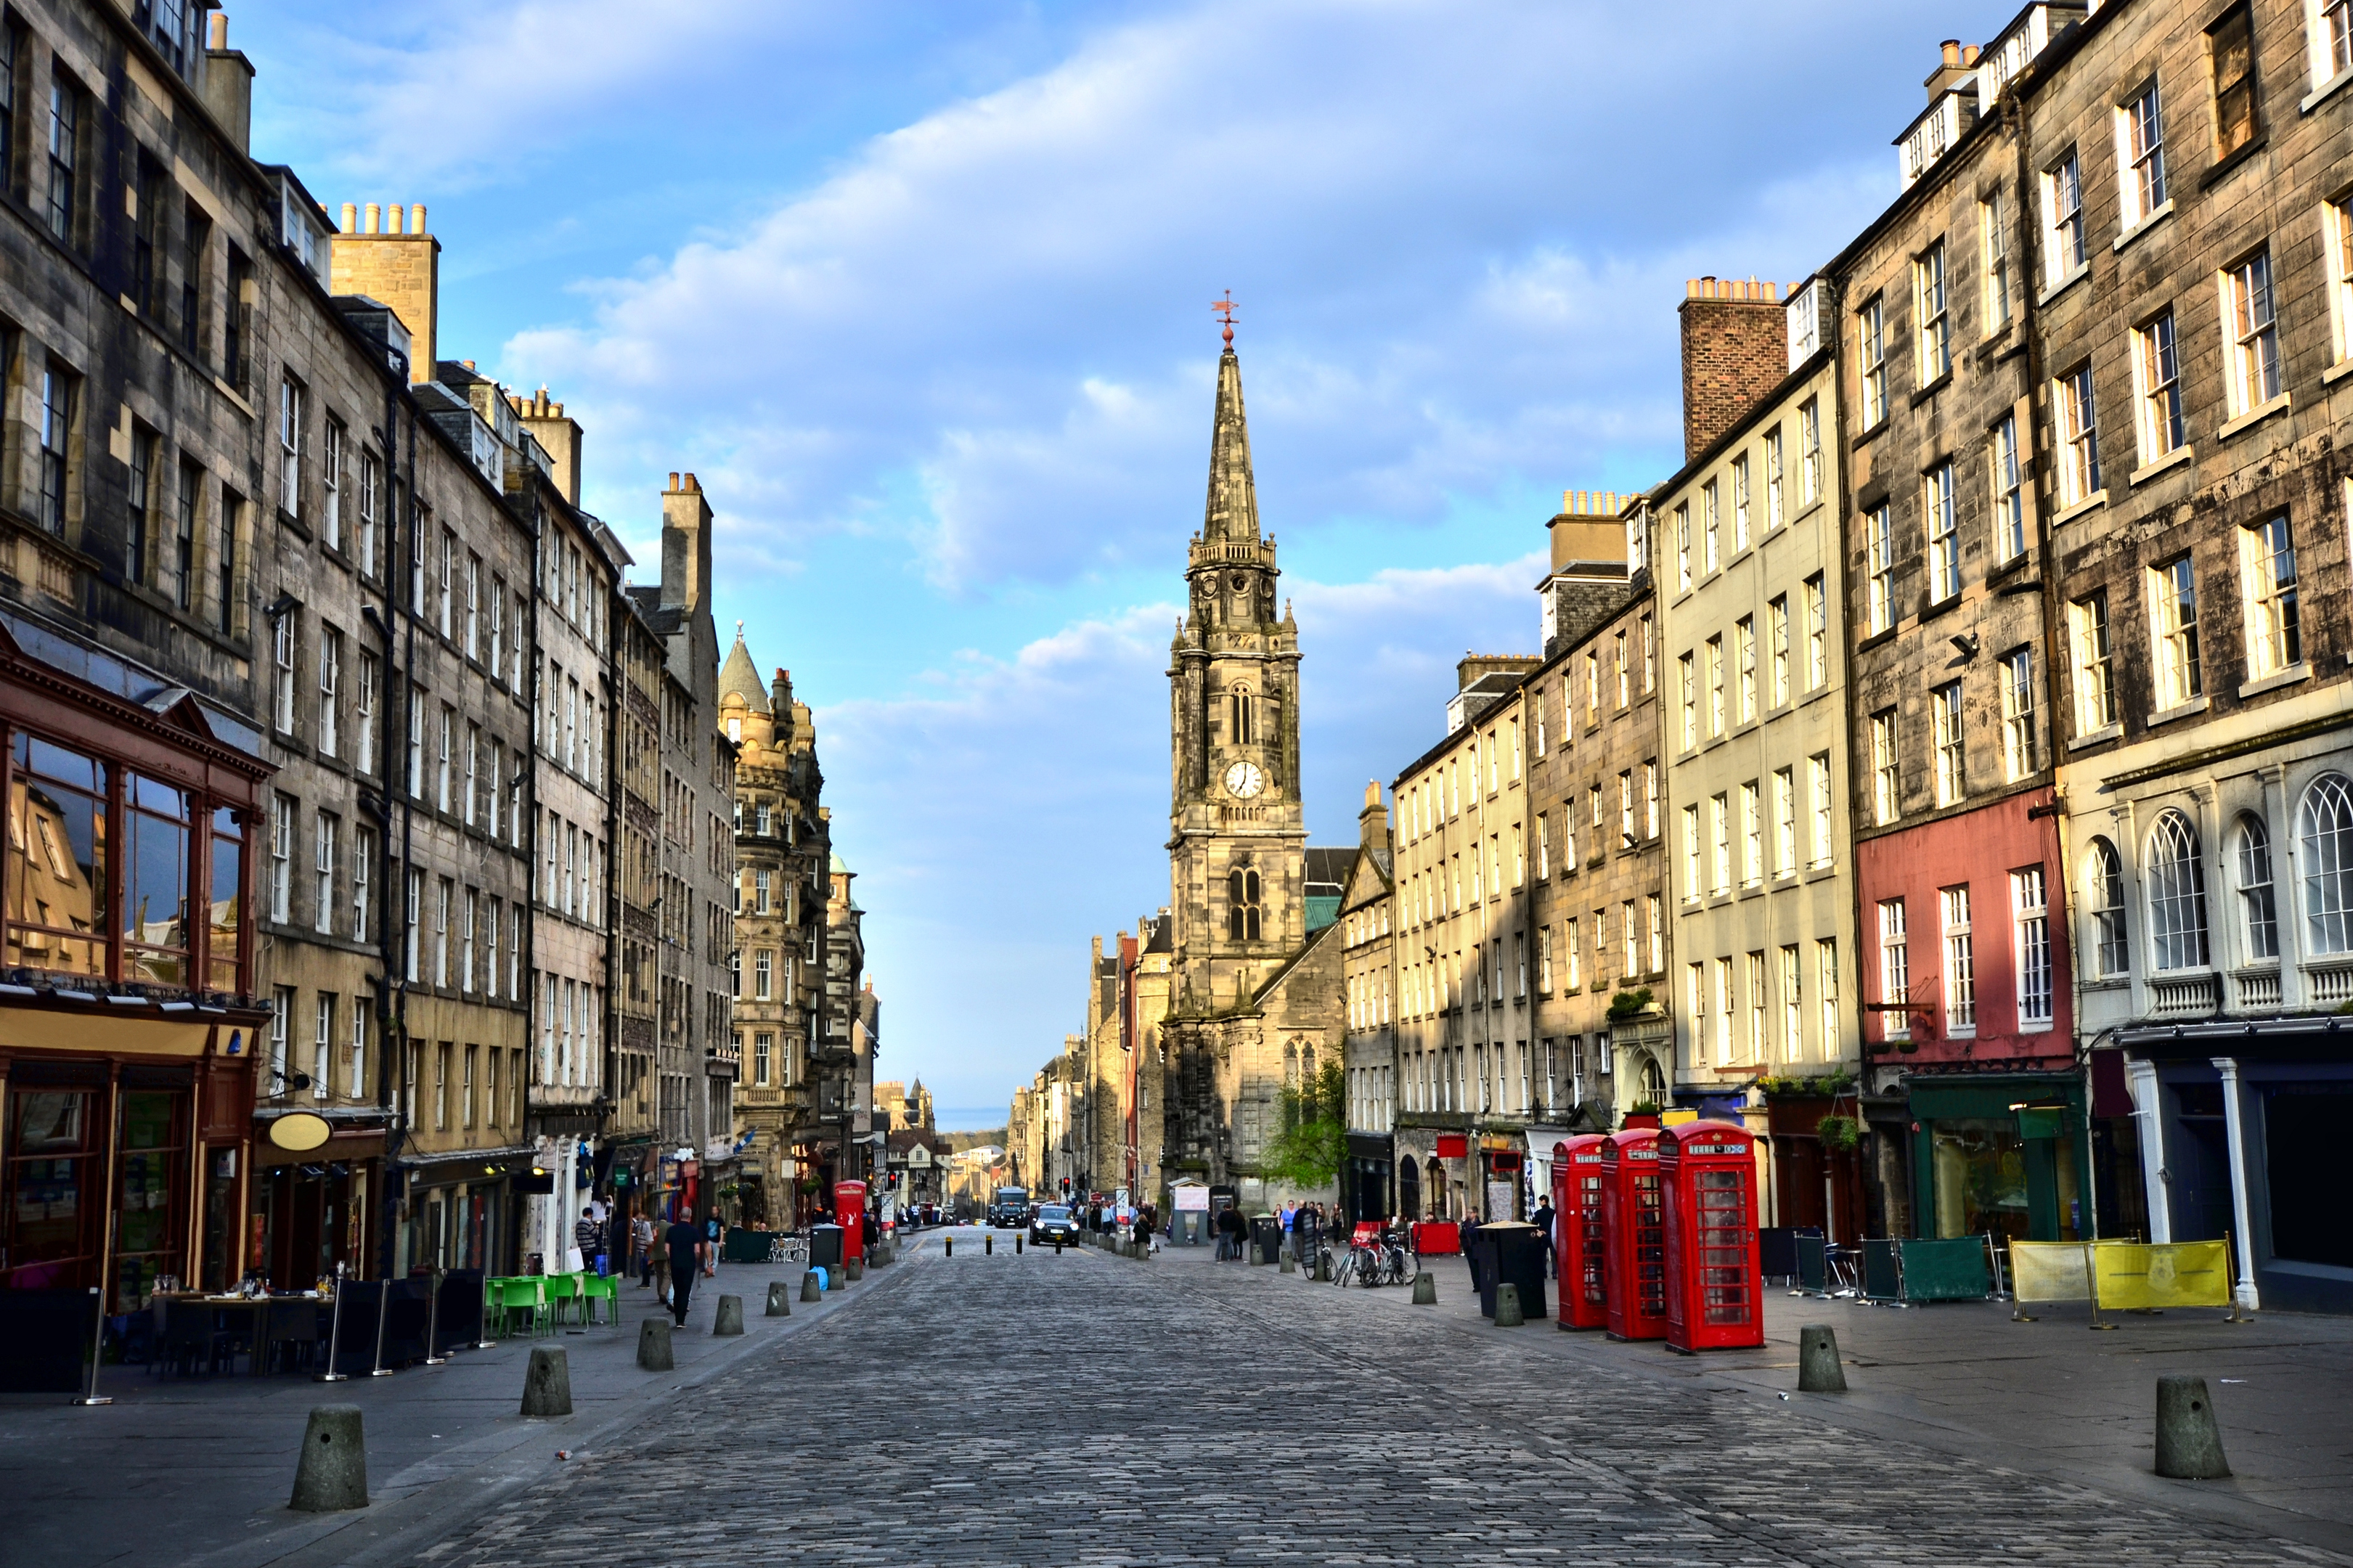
849 1214
1579 1238
1634 1263
1715 1285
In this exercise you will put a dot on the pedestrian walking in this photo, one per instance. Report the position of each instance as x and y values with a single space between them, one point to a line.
641 1232
1544 1219
658 1263
1470 1254
688 1250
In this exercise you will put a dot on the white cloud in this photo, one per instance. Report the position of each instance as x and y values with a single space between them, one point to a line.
1444 287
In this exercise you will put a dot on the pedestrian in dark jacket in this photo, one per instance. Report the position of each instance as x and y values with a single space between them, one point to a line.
1470 1254
1544 1219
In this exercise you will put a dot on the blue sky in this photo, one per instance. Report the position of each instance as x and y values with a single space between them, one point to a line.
920 292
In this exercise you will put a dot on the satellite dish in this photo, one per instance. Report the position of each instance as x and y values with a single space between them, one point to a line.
299 1131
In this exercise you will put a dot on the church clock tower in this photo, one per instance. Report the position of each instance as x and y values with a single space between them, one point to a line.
1238 836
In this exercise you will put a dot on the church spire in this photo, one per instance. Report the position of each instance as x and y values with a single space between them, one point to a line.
1233 512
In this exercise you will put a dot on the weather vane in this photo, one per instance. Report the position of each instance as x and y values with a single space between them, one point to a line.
1225 312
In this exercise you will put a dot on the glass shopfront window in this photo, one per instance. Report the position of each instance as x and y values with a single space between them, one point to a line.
101 857
151 1217
57 866
155 882
1980 1175
227 900
46 1240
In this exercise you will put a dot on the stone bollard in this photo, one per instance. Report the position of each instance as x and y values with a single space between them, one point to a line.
1324 1267
2188 1440
729 1319
810 1289
1425 1289
853 1270
780 1299
1290 1264
547 1383
1820 1370
1507 1306
331 1473
653 1345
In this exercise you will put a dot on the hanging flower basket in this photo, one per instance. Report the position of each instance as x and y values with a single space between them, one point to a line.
1839 1134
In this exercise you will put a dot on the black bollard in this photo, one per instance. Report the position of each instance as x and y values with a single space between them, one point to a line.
988 1244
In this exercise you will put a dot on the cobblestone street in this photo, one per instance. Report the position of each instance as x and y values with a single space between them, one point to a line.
1035 1409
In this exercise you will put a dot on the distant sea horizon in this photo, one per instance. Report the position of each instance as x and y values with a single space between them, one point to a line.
967 1118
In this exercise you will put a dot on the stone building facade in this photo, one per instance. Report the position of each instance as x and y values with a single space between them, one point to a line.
695 1058
780 932
1752 624
1368 944
141 337
2200 624
1949 589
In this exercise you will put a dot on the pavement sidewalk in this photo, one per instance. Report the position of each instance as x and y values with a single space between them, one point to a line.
198 1470
2048 1397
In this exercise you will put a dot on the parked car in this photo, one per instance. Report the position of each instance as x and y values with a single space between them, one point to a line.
1053 1223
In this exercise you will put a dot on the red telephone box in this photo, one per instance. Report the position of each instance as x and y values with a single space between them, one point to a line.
849 1214
1634 1263
1715 1286
1577 1236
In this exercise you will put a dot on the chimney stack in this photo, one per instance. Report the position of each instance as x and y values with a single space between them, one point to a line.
393 260
228 85
558 435
1373 822
686 544
1735 349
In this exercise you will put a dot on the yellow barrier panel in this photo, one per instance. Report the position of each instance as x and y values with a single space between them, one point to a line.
2181 1274
2049 1271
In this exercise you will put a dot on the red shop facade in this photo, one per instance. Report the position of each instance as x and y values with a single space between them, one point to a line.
1968 1025
127 1020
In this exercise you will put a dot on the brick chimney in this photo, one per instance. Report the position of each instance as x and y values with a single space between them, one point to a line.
1735 349
1373 822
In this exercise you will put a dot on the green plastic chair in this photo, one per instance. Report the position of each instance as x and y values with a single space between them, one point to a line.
528 1296
594 1289
563 1291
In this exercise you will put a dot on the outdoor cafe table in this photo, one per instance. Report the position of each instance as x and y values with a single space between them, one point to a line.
255 1312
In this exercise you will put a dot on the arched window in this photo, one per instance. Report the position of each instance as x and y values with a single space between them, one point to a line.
1241 904
1244 713
2176 881
1408 1188
2258 909
1654 1082
2325 825
2104 882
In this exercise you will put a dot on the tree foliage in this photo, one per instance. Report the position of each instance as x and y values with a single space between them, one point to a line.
1313 1144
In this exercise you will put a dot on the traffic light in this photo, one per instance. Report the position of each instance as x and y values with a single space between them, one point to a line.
1066 1186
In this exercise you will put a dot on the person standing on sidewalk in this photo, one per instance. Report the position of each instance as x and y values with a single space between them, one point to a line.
687 1247
1543 1219
641 1230
588 1236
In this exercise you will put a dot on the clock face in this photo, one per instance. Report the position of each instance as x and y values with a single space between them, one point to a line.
1244 780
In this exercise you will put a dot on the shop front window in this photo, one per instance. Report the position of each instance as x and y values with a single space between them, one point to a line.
1981 1175
149 1225
56 868
228 901
44 1227
155 882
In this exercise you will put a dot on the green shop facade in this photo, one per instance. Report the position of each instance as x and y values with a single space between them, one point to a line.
2005 1154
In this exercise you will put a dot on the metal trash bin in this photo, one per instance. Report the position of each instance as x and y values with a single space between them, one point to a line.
824 1247
1511 1252
1266 1238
